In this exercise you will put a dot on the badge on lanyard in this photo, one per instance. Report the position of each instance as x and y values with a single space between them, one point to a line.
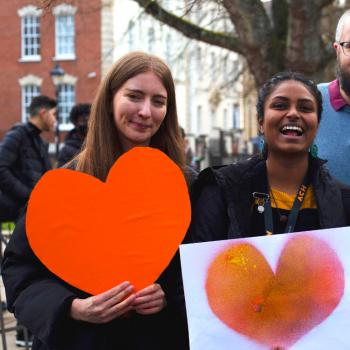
260 199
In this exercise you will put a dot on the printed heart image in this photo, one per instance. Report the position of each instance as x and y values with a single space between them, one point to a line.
95 235
277 308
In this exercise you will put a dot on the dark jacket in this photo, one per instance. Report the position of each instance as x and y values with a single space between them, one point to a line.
41 301
222 200
23 160
72 145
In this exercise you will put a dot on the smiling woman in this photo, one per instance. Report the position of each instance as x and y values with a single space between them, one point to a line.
290 123
286 188
139 109
134 106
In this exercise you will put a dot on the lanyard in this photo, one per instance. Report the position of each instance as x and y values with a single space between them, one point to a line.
264 205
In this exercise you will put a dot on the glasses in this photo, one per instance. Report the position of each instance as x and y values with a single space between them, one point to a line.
345 45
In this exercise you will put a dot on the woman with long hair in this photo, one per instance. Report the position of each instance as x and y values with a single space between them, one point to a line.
284 189
134 106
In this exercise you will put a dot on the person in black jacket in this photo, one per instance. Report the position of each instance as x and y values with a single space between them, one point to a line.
134 106
286 188
73 142
24 157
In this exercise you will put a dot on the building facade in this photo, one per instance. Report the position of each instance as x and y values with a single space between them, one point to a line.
34 41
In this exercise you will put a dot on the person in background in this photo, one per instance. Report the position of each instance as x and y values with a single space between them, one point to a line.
24 159
134 106
24 156
333 138
187 148
73 142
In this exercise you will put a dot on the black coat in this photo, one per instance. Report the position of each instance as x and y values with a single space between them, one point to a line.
222 200
72 146
41 301
23 160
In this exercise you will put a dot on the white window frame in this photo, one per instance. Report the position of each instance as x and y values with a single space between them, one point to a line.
64 12
65 103
236 116
66 100
30 20
30 87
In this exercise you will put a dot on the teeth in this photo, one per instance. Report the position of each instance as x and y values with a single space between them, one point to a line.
292 127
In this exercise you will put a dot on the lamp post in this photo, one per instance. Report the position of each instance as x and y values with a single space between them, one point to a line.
57 74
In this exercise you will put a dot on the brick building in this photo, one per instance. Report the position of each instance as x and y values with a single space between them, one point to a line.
74 34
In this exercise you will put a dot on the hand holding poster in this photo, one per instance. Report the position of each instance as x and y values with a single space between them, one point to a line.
279 292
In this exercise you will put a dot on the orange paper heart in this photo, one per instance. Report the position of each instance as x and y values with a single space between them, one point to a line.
95 235
275 309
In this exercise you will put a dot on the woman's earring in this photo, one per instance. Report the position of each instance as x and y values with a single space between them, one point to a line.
262 143
313 150
263 146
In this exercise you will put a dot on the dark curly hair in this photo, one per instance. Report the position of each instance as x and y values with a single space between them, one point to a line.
78 110
277 79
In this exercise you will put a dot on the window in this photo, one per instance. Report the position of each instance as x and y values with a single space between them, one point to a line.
131 31
224 69
30 87
30 33
199 119
213 66
214 119
66 100
236 116
225 120
30 37
28 93
168 49
199 63
65 36
151 39
64 31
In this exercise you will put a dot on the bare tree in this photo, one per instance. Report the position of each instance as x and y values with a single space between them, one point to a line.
288 36
285 34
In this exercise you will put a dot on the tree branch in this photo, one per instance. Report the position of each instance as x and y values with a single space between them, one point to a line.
189 29
251 21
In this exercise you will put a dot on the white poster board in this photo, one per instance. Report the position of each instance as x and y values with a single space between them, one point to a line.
286 291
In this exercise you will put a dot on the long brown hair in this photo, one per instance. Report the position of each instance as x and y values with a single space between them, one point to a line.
102 145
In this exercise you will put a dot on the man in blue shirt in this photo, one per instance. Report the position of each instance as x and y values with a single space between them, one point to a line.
333 138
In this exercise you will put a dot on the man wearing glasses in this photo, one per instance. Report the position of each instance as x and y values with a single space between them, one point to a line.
333 139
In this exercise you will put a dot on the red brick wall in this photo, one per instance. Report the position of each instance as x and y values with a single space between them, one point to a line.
88 56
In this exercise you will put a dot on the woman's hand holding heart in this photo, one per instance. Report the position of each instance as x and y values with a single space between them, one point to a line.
104 307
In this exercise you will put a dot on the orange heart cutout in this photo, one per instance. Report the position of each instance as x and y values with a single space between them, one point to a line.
275 309
95 235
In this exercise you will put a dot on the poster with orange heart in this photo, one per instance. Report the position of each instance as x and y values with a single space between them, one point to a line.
95 235
289 291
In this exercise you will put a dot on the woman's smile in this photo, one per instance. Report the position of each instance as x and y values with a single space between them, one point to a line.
290 118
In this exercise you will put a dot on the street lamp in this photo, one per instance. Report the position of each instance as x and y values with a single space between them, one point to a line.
57 74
